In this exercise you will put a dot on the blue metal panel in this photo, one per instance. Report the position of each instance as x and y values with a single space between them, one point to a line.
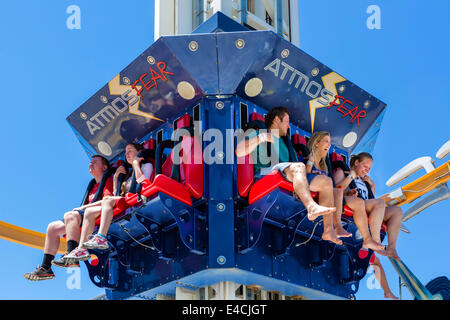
197 54
110 118
294 79
220 116
367 144
223 63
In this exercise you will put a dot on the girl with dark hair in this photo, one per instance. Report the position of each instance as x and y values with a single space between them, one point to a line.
362 186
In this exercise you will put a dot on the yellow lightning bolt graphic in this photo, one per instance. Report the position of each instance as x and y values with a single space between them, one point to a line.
115 88
329 82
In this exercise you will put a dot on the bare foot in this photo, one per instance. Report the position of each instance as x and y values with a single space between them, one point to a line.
315 211
342 233
331 236
391 252
373 245
390 295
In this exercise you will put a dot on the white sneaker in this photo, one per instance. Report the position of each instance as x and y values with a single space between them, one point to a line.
77 254
96 242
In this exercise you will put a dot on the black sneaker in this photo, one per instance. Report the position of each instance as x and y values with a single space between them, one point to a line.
40 274
61 262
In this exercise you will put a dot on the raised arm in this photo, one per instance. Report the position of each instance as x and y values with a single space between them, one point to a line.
142 173
120 170
246 146
371 183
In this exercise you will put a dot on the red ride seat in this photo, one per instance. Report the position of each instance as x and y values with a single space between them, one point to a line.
191 171
267 184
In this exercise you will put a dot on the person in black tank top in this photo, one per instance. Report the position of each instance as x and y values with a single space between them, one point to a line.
351 199
364 187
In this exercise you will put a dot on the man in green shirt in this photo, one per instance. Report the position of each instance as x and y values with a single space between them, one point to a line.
277 123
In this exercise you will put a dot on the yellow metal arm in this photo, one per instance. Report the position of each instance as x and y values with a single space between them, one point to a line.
27 237
419 187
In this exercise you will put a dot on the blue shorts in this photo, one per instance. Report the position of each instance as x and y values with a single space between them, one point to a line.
279 166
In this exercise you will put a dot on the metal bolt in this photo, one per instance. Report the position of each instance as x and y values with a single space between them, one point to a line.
221 207
315 72
193 46
151 60
240 43
219 105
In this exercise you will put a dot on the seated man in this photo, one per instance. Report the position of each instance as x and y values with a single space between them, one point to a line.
277 123
70 225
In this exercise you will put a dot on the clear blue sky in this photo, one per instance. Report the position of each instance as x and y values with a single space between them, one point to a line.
47 71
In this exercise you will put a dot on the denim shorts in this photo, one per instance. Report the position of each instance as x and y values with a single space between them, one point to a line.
279 166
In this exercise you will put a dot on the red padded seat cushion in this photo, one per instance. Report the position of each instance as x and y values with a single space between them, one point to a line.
245 174
256 116
191 168
298 139
168 186
267 184
336 157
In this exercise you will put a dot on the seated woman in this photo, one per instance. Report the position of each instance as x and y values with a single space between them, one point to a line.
319 144
107 205
362 186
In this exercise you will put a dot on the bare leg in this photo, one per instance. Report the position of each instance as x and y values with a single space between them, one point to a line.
54 232
361 221
324 185
340 231
296 173
393 218
90 214
107 214
375 208
380 275
72 220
